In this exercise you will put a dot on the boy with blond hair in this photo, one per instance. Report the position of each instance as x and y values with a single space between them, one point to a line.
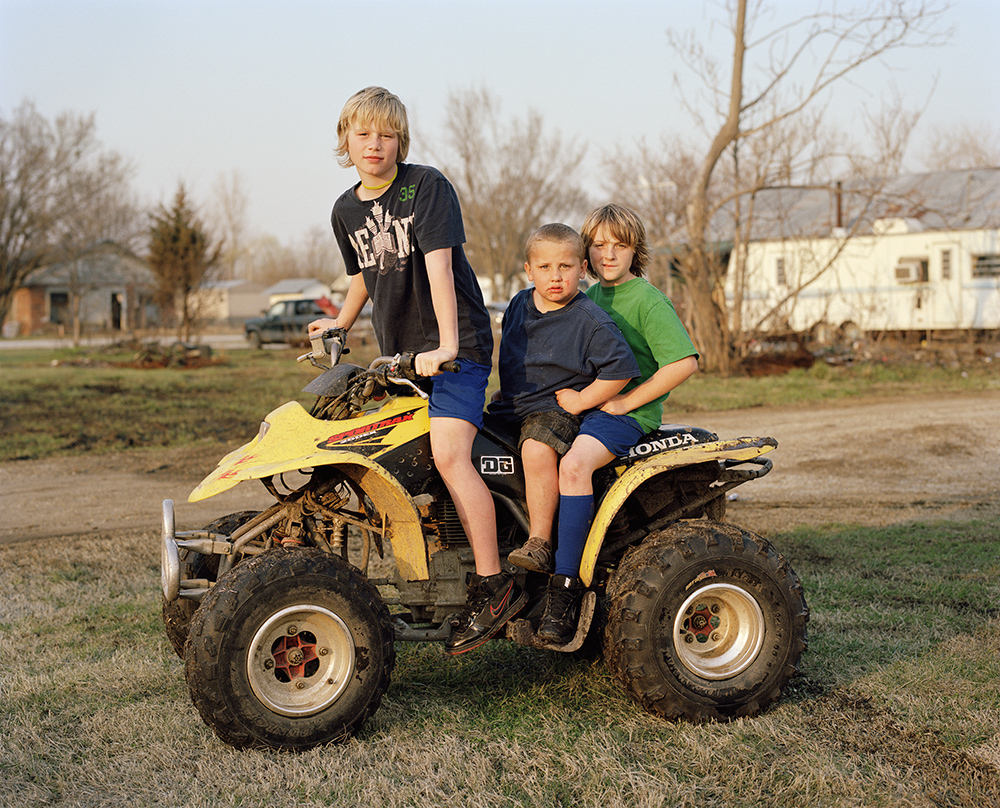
400 232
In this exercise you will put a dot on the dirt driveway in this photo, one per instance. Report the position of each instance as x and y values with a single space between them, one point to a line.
876 462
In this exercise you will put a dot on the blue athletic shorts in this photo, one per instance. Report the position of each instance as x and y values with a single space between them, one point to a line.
461 395
618 433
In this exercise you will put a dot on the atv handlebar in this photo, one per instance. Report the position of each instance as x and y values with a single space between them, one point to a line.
407 364
331 343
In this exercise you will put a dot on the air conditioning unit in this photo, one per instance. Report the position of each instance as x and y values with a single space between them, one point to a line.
911 270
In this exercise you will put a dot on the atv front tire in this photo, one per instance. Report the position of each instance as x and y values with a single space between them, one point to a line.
706 621
289 650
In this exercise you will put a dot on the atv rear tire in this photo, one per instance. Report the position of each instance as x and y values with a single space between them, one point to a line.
290 649
177 613
706 621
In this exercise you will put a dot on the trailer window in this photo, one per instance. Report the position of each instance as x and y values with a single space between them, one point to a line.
779 271
986 266
945 265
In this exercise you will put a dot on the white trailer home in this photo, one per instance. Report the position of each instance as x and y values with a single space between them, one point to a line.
924 256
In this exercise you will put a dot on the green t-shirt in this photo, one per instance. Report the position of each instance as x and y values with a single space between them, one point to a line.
653 331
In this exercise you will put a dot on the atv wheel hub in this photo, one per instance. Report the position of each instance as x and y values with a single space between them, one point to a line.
301 660
719 631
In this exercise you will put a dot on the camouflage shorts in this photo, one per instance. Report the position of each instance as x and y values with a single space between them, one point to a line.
554 428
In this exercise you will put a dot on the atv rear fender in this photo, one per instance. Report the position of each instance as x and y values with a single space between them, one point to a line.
735 450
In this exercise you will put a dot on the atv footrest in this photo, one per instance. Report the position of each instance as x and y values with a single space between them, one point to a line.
523 632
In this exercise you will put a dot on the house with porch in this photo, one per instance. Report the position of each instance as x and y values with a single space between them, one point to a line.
107 289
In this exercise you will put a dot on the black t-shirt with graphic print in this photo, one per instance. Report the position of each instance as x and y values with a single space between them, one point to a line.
386 240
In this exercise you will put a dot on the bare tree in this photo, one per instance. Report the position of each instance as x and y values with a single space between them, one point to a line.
511 177
102 212
826 47
54 176
231 203
181 256
783 166
317 255
650 179
961 147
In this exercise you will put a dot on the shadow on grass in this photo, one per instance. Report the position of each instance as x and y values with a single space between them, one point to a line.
878 597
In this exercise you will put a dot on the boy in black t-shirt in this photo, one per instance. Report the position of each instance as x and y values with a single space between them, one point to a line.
400 232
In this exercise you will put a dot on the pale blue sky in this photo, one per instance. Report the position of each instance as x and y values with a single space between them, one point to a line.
191 89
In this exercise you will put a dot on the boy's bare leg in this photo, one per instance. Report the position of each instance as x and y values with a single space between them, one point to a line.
493 597
451 444
576 470
541 483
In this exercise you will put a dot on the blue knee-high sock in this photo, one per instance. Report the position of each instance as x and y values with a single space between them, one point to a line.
575 515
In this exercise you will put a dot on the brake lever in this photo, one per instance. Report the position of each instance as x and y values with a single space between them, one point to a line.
404 381
326 343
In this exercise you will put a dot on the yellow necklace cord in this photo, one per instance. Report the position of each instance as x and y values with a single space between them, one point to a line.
380 187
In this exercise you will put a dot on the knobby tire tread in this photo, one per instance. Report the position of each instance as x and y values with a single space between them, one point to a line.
215 620
665 558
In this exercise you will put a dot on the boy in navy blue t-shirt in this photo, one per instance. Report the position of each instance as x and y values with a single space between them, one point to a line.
561 358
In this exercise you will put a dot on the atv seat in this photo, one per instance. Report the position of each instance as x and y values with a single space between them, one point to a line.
504 432
668 436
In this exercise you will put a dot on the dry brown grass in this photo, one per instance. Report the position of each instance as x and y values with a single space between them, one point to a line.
95 712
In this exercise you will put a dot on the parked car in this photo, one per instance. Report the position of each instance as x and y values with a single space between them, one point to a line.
287 320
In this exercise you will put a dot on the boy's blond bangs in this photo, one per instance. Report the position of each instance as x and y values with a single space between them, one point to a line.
373 107
626 226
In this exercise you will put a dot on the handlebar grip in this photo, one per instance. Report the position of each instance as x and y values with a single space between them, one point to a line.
450 367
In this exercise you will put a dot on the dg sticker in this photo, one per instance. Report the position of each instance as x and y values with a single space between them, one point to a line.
496 465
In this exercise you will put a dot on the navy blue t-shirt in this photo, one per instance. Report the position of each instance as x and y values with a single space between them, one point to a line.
541 353
386 240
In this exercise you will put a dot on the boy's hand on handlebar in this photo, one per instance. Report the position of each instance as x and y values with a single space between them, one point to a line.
429 363
322 324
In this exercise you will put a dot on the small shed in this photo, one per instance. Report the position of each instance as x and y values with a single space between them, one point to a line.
297 289
231 302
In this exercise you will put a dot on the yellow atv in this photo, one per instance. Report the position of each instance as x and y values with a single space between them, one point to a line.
288 641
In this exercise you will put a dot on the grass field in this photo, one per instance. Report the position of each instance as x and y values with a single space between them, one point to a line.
898 703
68 402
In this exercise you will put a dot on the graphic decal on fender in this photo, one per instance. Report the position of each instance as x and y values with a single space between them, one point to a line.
365 439
654 446
235 470
496 465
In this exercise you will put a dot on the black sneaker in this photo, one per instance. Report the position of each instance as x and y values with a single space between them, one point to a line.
562 609
492 601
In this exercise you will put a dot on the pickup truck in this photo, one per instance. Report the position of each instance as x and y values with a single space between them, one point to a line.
286 321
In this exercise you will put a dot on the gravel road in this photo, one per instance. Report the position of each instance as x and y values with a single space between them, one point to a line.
872 462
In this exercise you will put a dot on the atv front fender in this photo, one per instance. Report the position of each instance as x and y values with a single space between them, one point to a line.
739 449
291 442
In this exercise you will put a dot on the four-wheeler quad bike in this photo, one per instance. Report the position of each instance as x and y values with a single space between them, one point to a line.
289 643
